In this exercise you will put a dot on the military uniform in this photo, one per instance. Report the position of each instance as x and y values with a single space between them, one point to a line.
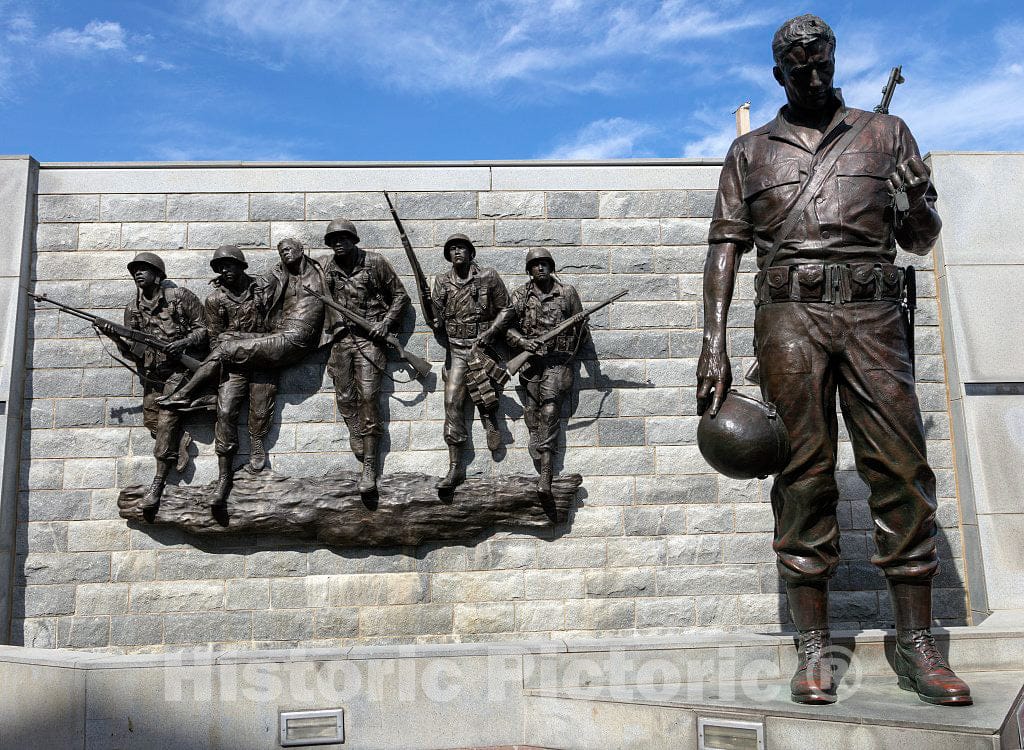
231 318
357 363
547 378
828 320
174 313
466 308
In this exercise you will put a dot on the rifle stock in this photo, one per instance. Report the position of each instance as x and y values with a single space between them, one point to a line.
140 339
420 365
422 288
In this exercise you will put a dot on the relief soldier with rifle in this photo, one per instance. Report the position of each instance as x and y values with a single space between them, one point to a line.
538 308
366 284
173 317
467 300
824 193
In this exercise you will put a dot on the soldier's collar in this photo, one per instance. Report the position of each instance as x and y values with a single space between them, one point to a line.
360 261
782 129
142 303
556 289
474 271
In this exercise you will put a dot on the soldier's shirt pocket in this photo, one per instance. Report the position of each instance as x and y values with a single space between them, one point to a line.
768 190
862 187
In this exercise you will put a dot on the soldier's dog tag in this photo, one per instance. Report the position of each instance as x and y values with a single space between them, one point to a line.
900 201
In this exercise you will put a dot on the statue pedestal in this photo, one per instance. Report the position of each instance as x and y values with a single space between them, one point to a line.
407 509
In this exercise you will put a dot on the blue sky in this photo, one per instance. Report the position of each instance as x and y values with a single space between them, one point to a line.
389 80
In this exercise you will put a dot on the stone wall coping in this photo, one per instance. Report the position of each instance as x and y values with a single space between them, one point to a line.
71 659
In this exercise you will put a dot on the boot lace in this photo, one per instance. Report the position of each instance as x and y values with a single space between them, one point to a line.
924 644
812 645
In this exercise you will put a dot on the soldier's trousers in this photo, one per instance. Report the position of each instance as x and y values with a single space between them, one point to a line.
546 382
809 352
261 387
164 425
456 391
357 366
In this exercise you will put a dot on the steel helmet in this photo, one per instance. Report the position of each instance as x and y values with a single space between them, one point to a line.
539 253
746 439
227 252
458 239
340 226
148 259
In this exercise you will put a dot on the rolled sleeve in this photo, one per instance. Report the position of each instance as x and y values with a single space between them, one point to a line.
731 220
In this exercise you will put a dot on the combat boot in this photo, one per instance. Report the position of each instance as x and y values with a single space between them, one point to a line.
456 473
368 482
494 441
544 480
812 682
156 488
919 664
225 479
257 456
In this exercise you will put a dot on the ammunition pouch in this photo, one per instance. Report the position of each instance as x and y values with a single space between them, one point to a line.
457 330
833 283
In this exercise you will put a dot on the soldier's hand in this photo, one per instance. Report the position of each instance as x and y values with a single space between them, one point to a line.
104 327
911 175
177 347
534 347
714 378
379 331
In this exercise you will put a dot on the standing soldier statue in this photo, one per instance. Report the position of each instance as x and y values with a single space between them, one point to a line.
290 330
366 284
234 312
173 315
538 307
825 192
467 300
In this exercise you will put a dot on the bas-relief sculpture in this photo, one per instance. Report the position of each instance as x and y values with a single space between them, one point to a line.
825 193
251 327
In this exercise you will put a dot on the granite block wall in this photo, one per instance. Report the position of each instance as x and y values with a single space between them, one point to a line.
659 543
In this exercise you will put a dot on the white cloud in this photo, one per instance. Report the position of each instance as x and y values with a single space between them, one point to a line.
564 44
97 36
613 138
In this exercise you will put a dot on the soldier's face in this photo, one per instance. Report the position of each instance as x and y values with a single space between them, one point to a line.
460 254
541 270
145 277
343 244
230 271
290 253
806 74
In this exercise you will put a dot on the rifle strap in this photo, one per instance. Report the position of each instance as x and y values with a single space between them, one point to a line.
812 185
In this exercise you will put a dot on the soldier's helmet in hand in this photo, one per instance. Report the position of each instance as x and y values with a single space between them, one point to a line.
745 440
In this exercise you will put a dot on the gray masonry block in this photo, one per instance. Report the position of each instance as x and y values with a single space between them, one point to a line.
208 627
179 596
709 519
663 490
44 601
685 231
556 584
633 552
644 204
440 205
101 599
282 625
56 237
496 617
378 589
537 232
133 207
351 206
68 208
276 563
572 205
477 586
153 236
188 565
422 619
539 616
97 237
208 207
621 231
342 622
83 632
97 536
64 568
246 593
501 554
511 204
620 583
136 630
600 614
277 207
620 432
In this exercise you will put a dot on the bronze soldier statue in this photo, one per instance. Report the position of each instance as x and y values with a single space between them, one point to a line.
537 307
173 315
366 284
825 192
290 330
235 311
467 301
